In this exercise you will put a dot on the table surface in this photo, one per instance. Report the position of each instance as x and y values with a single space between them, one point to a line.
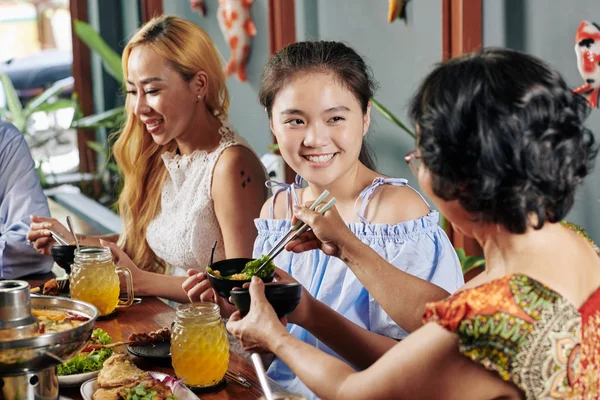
151 314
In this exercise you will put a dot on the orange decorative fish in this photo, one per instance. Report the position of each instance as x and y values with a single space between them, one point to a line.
238 28
198 5
397 9
587 48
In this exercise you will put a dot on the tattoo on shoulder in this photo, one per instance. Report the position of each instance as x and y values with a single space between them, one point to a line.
245 179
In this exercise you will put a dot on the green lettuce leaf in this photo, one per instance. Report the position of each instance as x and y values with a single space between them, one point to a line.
88 362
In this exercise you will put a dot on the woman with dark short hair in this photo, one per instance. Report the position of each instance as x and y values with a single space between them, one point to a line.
501 149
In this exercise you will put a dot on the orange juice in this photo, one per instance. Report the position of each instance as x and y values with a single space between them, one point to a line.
94 279
98 285
199 345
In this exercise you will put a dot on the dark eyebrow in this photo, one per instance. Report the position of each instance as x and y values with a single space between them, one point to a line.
332 109
338 108
292 111
147 80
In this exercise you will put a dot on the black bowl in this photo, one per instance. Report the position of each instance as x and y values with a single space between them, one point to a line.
229 267
284 297
63 256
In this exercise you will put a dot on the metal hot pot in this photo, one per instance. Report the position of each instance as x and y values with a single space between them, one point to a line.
28 360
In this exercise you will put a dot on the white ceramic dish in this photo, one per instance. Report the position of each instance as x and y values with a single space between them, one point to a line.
76 379
181 392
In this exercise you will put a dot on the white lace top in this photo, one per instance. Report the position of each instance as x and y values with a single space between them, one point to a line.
186 228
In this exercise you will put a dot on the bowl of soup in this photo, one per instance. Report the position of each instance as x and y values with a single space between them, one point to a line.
226 274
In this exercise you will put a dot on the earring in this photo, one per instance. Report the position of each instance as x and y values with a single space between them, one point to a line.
199 97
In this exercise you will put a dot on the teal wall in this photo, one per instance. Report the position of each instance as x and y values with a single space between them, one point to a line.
547 29
245 113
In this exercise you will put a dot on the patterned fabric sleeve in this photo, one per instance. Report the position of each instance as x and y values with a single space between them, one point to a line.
490 328
528 334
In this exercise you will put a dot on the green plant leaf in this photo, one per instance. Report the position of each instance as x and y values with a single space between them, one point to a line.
461 255
39 101
77 112
108 119
56 105
98 148
113 167
274 147
391 117
17 115
110 59
472 262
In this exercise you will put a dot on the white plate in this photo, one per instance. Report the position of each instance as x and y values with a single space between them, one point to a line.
181 392
76 379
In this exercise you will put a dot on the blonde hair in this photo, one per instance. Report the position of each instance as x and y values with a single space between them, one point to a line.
188 49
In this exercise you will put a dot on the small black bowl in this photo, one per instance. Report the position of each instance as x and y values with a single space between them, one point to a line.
284 297
63 256
229 267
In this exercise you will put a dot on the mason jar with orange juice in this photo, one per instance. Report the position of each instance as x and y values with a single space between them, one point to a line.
199 345
94 279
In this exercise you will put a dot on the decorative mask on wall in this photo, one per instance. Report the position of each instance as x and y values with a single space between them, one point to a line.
235 21
397 9
587 48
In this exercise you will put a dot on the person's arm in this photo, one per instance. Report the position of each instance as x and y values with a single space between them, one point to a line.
425 365
238 193
20 196
401 295
149 283
357 345
39 234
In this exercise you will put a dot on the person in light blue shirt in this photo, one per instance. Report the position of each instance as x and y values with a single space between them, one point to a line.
21 195
317 96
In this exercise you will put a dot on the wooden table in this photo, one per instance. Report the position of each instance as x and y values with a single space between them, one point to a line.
152 314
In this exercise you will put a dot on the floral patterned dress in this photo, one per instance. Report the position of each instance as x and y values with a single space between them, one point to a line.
528 334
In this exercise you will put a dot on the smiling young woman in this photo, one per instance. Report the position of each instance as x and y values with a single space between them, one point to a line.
189 178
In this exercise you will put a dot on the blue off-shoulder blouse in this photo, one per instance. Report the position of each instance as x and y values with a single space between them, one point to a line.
419 247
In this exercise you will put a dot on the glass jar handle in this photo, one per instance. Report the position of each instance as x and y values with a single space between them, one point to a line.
129 281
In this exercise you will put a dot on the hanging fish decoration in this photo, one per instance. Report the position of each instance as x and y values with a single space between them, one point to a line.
397 9
199 5
587 48
238 28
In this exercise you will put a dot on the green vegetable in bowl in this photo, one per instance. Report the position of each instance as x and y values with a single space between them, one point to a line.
90 358
252 266
249 270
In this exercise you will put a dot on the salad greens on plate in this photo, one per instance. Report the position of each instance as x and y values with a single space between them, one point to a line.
90 358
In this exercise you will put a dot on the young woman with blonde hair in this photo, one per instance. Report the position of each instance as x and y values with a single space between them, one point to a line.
189 179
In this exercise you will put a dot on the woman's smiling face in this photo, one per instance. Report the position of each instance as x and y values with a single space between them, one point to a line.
319 126
159 96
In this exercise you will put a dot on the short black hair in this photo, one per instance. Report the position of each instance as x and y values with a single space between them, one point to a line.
503 134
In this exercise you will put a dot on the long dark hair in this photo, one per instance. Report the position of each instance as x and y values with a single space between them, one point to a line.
320 56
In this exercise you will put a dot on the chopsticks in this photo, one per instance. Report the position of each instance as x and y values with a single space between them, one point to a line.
297 225
298 228
59 238
238 379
